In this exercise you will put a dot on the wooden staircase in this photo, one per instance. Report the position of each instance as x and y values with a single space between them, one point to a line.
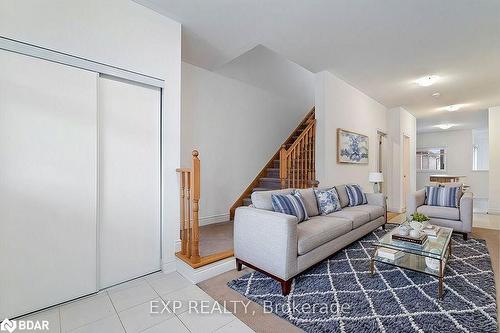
293 165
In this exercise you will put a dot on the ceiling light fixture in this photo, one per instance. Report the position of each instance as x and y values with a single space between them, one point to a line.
454 107
436 95
445 126
426 81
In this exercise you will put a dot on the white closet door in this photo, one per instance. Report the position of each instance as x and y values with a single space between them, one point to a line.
48 131
129 180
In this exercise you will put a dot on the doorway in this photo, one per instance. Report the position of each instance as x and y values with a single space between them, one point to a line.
406 171
380 163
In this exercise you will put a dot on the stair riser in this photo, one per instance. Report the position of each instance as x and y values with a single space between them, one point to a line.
273 173
270 184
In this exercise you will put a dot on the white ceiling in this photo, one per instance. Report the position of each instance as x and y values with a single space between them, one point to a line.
380 47
461 120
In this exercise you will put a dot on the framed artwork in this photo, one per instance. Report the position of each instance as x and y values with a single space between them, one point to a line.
351 147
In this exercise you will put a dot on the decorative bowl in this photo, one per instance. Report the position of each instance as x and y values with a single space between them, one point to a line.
432 263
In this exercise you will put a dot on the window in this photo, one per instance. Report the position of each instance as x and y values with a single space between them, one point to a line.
429 159
480 150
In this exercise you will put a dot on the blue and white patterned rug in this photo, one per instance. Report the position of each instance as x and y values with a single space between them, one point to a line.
339 295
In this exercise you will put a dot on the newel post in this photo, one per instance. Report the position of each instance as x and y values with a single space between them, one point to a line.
283 166
195 183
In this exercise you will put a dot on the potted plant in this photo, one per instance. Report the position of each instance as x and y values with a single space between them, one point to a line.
418 222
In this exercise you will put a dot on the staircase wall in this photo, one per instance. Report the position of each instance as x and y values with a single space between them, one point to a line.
236 127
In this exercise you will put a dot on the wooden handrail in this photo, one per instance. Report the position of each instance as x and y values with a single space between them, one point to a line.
189 208
297 165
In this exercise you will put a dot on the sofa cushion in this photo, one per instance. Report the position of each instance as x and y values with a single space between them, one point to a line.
357 217
374 211
309 200
262 199
328 200
342 192
356 195
448 213
319 230
290 204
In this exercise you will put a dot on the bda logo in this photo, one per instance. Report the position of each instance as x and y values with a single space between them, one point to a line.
8 325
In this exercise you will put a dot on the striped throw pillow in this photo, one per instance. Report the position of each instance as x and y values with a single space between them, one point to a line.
356 195
290 204
442 196
328 201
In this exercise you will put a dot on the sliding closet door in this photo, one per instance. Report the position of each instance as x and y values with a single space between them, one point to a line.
48 131
129 180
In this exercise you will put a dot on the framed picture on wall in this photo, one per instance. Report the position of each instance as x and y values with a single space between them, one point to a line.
351 147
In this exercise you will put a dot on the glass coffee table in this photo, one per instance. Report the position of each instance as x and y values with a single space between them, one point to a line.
436 250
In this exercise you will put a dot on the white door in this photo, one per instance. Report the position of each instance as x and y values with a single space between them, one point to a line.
129 180
48 132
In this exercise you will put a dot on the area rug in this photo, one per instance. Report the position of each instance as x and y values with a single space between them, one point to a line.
340 295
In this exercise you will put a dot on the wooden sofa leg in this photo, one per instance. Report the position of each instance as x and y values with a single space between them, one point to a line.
286 286
465 235
239 265
383 226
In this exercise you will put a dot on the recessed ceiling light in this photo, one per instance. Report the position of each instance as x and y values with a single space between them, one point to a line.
436 95
454 107
445 126
426 81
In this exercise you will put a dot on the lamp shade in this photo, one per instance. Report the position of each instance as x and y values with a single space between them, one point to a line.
376 177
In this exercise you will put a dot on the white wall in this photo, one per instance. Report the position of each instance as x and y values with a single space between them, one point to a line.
494 173
236 127
122 34
458 145
268 70
339 105
400 123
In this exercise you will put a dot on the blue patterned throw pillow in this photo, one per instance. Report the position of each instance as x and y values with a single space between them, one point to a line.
328 201
290 204
443 196
356 195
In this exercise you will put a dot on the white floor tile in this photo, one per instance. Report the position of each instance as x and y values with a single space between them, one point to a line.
236 326
169 283
125 298
185 297
138 318
86 311
106 325
51 315
203 323
155 276
172 325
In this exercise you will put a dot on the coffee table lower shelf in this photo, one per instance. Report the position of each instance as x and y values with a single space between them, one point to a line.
415 262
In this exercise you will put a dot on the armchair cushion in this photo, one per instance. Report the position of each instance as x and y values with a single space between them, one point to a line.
319 230
448 213
443 196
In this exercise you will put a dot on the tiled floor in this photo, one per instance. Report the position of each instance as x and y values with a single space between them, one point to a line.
127 308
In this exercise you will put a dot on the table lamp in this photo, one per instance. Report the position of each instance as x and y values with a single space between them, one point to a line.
376 178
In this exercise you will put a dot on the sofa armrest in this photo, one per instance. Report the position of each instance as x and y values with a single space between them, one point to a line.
415 200
267 240
466 209
377 199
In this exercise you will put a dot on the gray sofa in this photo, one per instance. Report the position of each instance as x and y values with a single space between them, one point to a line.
275 244
459 219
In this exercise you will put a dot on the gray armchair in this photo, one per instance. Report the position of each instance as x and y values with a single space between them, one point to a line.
460 219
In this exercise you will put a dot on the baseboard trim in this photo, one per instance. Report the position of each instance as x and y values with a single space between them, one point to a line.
206 272
213 219
493 211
